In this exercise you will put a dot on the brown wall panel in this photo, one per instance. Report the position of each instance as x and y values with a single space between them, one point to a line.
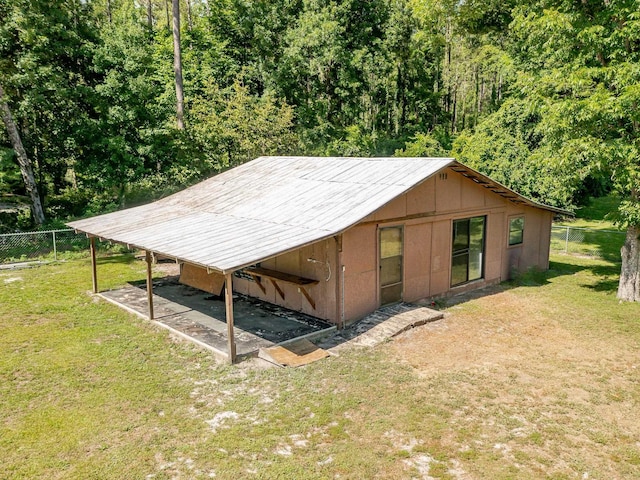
440 257
395 209
359 256
360 294
472 195
198 277
495 241
448 191
359 248
417 261
422 198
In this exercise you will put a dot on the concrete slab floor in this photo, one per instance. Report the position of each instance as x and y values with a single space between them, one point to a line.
201 316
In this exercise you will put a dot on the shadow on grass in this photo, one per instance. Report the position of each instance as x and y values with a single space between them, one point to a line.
119 258
607 274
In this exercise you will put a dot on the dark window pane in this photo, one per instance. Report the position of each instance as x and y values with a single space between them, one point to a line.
390 242
476 248
460 235
516 230
391 294
459 269
390 270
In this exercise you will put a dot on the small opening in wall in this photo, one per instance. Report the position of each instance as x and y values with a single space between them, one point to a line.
443 176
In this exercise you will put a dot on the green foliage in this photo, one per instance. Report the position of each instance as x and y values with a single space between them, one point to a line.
45 54
423 145
542 95
10 177
230 126
353 143
584 84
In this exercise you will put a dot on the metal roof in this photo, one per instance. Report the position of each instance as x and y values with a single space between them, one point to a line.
266 207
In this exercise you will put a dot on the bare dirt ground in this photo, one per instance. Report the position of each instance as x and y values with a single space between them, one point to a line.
551 393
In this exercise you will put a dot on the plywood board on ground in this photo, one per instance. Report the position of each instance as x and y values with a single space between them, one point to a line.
295 354
199 278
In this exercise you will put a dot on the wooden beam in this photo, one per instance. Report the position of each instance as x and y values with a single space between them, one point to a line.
147 256
307 296
277 287
228 301
94 270
259 283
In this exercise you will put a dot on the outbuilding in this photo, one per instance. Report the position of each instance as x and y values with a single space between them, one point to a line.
337 237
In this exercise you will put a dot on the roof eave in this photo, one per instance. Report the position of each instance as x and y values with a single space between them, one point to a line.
502 190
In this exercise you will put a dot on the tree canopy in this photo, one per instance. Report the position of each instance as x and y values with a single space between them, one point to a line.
540 94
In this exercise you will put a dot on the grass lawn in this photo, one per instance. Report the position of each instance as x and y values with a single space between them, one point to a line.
594 214
538 379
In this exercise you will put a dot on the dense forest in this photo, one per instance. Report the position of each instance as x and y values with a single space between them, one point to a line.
109 103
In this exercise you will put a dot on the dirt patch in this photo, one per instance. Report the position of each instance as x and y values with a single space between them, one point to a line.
554 394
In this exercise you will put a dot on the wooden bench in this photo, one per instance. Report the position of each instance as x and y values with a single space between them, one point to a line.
274 277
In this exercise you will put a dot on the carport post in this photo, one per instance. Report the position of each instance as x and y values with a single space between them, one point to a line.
94 272
147 256
228 300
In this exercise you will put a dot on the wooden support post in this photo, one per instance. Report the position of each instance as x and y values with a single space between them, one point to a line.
147 256
228 300
94 270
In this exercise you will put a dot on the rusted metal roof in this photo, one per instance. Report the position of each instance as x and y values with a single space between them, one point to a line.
265 207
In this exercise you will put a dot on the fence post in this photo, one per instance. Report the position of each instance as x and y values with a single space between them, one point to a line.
55 250
566 241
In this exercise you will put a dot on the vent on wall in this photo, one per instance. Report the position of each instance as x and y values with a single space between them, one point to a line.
442 176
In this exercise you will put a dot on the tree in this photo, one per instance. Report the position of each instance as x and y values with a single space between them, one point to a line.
25 164
231 126
45 60
131 136
579 73
177 65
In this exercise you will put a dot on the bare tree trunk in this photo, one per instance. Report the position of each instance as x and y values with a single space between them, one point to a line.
109 10
177 65
149 14
629 286
189 18
166 8
25 164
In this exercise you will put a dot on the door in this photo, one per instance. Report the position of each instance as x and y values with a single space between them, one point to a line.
467 259
390 265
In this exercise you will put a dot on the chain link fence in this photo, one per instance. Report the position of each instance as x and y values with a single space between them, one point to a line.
587 242
21 247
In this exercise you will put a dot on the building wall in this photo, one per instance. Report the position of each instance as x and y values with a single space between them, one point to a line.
322 267
426 214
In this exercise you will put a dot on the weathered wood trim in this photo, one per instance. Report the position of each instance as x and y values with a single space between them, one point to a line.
149 260
277 287
228 301
94 269
307 296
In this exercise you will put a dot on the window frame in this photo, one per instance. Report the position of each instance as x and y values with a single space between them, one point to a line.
462 252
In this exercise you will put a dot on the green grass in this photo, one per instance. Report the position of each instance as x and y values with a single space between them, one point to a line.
595 214
539 380
591 232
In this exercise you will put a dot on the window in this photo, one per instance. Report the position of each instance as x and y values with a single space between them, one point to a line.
467 259
390 265
516 230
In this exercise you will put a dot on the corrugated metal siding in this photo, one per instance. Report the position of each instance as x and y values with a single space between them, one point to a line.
263 208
